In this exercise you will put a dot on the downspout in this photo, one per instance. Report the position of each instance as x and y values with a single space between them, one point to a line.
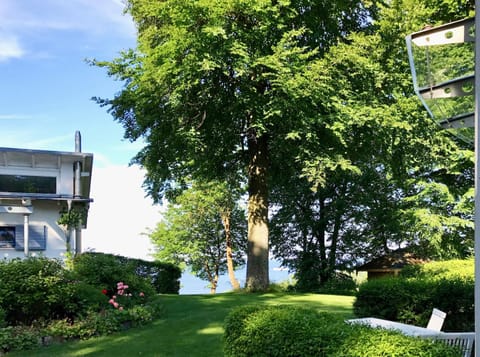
25 234
78 239
77 167
78 190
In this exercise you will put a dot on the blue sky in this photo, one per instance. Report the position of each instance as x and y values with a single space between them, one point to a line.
46 88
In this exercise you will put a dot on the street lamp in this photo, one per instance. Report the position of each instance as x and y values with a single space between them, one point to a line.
443 64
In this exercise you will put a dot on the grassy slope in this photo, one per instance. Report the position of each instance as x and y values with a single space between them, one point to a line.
193 326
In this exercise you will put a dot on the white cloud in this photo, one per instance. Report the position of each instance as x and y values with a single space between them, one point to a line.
22 21
120 215
14 116
9 48
105 16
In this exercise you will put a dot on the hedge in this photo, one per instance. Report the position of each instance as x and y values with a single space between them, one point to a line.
106 270
285 331
35 289
448 286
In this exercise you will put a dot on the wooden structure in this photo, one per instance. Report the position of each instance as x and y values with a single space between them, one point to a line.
390 264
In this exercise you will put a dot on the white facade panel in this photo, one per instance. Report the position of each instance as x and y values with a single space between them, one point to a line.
40 210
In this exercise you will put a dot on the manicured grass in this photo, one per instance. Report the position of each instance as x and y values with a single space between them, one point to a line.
193 326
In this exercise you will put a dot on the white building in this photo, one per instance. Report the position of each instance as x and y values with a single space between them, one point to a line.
37 189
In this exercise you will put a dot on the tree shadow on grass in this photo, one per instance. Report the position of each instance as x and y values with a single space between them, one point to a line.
192 326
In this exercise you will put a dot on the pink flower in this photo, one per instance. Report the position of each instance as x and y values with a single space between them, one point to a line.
120 308
125 286
141 294
111 301
115 305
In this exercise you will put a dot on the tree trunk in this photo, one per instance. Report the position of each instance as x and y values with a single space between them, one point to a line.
333 246
214 284
321 240
257 251
212 278
228 239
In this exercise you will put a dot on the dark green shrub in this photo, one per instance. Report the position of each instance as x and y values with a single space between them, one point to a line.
235 323
287 331
106 270
83 298
107 322
280 331
339 284
3 323
101 270
308 270
395 299
412 297
38 289
18 338
456 298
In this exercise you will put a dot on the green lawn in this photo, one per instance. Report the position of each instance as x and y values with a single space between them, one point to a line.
193 326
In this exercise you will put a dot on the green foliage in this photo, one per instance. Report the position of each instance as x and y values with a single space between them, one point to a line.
339 284
73 217
395 299
18 338
296 331
56 303
447 269
279 331
2 317
199 226
228 89
107 322
106 270
41 289
391 177
362 341
411 299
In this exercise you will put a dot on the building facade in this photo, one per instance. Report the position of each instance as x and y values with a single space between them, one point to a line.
44 201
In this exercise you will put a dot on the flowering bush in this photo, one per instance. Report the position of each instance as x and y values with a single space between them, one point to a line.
109 321
125 299
42 302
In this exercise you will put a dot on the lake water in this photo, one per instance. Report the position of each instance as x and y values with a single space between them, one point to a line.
189 284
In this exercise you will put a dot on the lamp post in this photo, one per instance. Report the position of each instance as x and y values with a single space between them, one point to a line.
443 64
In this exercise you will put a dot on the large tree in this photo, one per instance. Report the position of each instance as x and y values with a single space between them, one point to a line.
216 87
402 180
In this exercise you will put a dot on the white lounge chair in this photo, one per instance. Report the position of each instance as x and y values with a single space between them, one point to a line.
436 320
464 340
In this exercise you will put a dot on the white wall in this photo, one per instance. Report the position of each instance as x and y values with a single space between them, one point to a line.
45 213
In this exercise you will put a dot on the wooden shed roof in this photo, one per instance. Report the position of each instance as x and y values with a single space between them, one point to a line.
394 260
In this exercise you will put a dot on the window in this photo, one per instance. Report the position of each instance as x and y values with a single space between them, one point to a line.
28 184
37 237
13 237
7 237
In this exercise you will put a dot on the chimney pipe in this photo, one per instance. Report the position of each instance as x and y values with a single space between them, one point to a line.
78 141
77 167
